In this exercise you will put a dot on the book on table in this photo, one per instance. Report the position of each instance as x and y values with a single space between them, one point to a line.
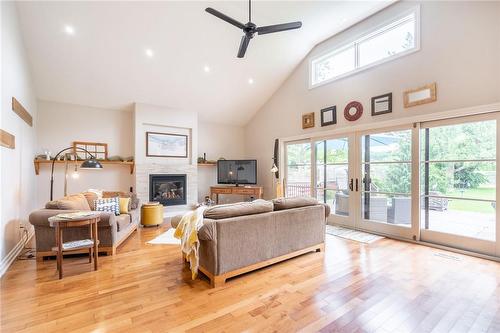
75 215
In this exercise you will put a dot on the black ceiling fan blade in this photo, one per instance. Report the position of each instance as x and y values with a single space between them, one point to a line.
225 17
278 27
245 40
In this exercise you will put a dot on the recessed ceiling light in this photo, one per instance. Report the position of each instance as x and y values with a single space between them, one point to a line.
250 81
149 53
206 69
69 30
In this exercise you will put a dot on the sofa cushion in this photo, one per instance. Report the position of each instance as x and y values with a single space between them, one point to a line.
238 209
288 203
124 205
91 198
120 194
70 202
134 201
111 205
122 221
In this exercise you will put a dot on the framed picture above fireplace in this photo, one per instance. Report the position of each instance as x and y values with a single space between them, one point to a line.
166 145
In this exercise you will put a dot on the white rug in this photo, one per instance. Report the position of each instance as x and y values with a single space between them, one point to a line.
358 236
166 238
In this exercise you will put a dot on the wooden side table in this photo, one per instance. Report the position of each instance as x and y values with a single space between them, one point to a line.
91 244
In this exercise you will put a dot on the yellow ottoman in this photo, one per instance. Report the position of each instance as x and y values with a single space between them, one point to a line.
151 214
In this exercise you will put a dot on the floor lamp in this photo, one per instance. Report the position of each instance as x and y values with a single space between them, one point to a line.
90 163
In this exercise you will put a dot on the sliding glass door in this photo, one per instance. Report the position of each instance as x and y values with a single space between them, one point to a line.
333 180
458 183
431 181
385 174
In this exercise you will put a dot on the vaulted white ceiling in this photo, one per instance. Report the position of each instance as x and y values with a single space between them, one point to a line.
104 63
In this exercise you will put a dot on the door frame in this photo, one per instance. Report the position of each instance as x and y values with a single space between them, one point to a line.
397 231
476 245
347 221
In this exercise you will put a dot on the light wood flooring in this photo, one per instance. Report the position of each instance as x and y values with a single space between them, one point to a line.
387 286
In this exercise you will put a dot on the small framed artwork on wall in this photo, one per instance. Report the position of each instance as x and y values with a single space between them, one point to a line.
308 120
382 104
329 116
419 96
166 145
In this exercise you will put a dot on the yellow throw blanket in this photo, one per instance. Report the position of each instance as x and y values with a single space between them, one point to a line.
187 232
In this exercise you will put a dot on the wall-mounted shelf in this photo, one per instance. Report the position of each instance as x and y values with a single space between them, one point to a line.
207 164
37 163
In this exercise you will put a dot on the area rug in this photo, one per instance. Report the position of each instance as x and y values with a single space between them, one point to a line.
358 236
166 238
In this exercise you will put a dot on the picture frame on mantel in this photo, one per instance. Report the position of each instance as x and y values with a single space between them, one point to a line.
166 145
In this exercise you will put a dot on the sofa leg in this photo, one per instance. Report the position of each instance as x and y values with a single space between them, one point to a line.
321 248
217 281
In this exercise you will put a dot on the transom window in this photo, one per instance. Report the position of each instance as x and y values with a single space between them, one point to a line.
395 39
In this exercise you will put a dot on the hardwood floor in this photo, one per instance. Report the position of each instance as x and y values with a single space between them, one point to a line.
388 286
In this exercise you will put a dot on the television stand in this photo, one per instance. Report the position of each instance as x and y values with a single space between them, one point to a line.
253 191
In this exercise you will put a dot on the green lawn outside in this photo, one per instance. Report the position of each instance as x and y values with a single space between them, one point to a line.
473 206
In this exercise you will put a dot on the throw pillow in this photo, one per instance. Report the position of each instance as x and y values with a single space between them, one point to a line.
91 197
124 205
71 202
134 201
97 192
120 194
111 205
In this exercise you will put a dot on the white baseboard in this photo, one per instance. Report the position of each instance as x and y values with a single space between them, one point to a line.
12 255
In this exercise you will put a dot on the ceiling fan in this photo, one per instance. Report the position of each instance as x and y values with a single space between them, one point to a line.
250 28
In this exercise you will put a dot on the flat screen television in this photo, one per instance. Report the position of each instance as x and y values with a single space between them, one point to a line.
237 172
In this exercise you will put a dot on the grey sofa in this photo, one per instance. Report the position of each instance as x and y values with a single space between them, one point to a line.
238 238
112 230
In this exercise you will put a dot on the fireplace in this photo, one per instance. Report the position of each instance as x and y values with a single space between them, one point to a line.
169 190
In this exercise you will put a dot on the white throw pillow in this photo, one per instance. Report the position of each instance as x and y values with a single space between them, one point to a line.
111 205
97 192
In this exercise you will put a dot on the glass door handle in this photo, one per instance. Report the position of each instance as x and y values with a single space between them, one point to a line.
351 184
357 187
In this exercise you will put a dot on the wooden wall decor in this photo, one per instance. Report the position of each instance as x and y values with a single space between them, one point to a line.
21 112
308 120
7 140
98 150
421 95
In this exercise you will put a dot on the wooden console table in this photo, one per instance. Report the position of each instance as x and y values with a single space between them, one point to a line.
253 191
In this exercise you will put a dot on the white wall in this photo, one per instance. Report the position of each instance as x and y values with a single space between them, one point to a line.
460 50
18 184
218 140
60 124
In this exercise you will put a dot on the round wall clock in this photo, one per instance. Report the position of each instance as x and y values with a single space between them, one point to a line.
353 111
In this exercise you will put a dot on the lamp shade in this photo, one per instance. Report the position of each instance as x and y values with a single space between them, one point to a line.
91 164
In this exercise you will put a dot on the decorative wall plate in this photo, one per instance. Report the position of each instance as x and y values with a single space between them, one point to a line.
353 111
